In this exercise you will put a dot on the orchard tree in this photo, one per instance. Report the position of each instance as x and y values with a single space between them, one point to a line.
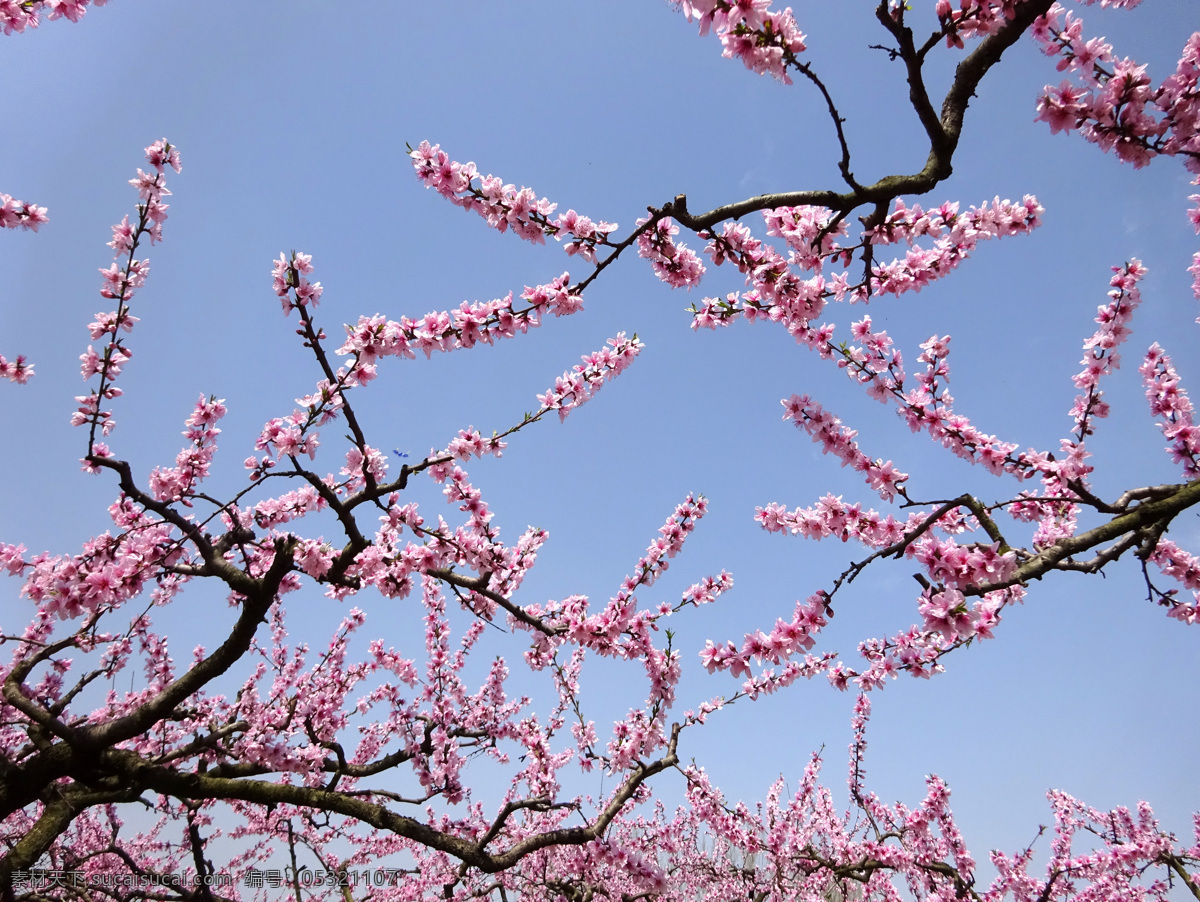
411 764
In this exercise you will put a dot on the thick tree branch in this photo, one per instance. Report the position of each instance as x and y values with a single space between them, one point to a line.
1146 516
943 132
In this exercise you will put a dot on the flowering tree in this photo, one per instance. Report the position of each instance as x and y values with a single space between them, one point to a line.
338 764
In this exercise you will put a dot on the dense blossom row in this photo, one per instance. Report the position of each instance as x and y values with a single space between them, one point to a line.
471 323
780 293
1100 354
955 236
1169 402
838 440
121 280
506 207
879 367
584 380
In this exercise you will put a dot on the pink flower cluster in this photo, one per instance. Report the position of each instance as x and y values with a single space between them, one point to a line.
929 405
787 638
293 505
290 285
389 563
765 41
286 732
639 869
469 443
675 264
621 630
977 19
17 15
285 437
283 732
1170 403
955 236
1100 354
947 615
1119 848
1113 103
603 630
876 363
781 295
482 322
506 206
838 440
376 336
122 279
573 388
973 18
1185 568
293 435
778 294
16 214
192 464
962 566
809 233
831 516
880 369
109 571
18 371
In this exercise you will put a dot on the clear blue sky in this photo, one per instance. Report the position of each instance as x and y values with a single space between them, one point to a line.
292 120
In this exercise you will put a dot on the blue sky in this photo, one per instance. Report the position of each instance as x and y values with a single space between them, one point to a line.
292 121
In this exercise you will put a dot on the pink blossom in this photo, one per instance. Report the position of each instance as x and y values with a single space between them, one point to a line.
675 264
574 388
1170 403
16 214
